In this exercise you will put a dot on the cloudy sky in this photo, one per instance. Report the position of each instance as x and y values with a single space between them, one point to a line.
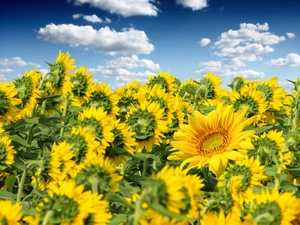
125 40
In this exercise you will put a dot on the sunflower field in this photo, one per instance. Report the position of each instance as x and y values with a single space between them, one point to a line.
75 151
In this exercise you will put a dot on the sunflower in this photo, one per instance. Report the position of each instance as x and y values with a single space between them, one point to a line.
154 218
10 214
98 121
270 146
123 144
214 218
208 87
165 188
237 83
127 100
28 92
273 208
133 86
253 99
187 90
8 102
164 80
211 139
7 152
102 96
241 177
60 74
82 86
1 128
68 204
149 124
164 99
98 174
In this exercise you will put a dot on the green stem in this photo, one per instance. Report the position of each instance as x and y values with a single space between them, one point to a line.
138 210
64 115
21 185
47 217
145 166
195 101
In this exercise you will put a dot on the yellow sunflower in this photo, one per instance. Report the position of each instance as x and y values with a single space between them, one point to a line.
273 208
69 204
133 86
8 102
60 74
123 144
98 174
237 83
153 218
82 86
149 124
28 92
1 128
241 177
212 139
214 218
164 79
10 214
7 152
102 96
209 87
98 121
187 90
252 98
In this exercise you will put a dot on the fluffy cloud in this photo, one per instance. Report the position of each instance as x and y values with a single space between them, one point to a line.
125 7
6 70
128 41
204 42
121 68
291 35
2 78
291 59
248 32
17 62
91 18
193 4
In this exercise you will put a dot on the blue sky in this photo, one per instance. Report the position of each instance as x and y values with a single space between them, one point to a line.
126 40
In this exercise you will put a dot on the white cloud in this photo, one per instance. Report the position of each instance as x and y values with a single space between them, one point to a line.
6 70
193 4
204 42
124 7
248 32
2 78
17 62
250 74
77 15
128 41
290 35
291 59
91 18
121 68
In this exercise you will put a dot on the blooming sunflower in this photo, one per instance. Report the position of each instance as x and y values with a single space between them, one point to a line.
241 177
102 96
7 152
252 98
60 74
10 214
123 144
270 146
273 208
211 139
187 90
165 80
153 218
98 121
98 174
214 218
8 102
68 204
133 86
167 188
28 92
237 83
82 86
209 86
149 124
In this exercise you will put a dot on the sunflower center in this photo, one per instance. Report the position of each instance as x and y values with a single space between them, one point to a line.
267 214
213 142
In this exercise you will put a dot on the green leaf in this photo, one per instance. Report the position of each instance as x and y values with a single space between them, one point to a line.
117 219
271 171
39 193
286 186
117 198
10 181
144 156
19 140
294 172
4 194
259 130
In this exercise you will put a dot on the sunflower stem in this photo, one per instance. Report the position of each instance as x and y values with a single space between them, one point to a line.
21 185
137 210
64 116
145 166
47 217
